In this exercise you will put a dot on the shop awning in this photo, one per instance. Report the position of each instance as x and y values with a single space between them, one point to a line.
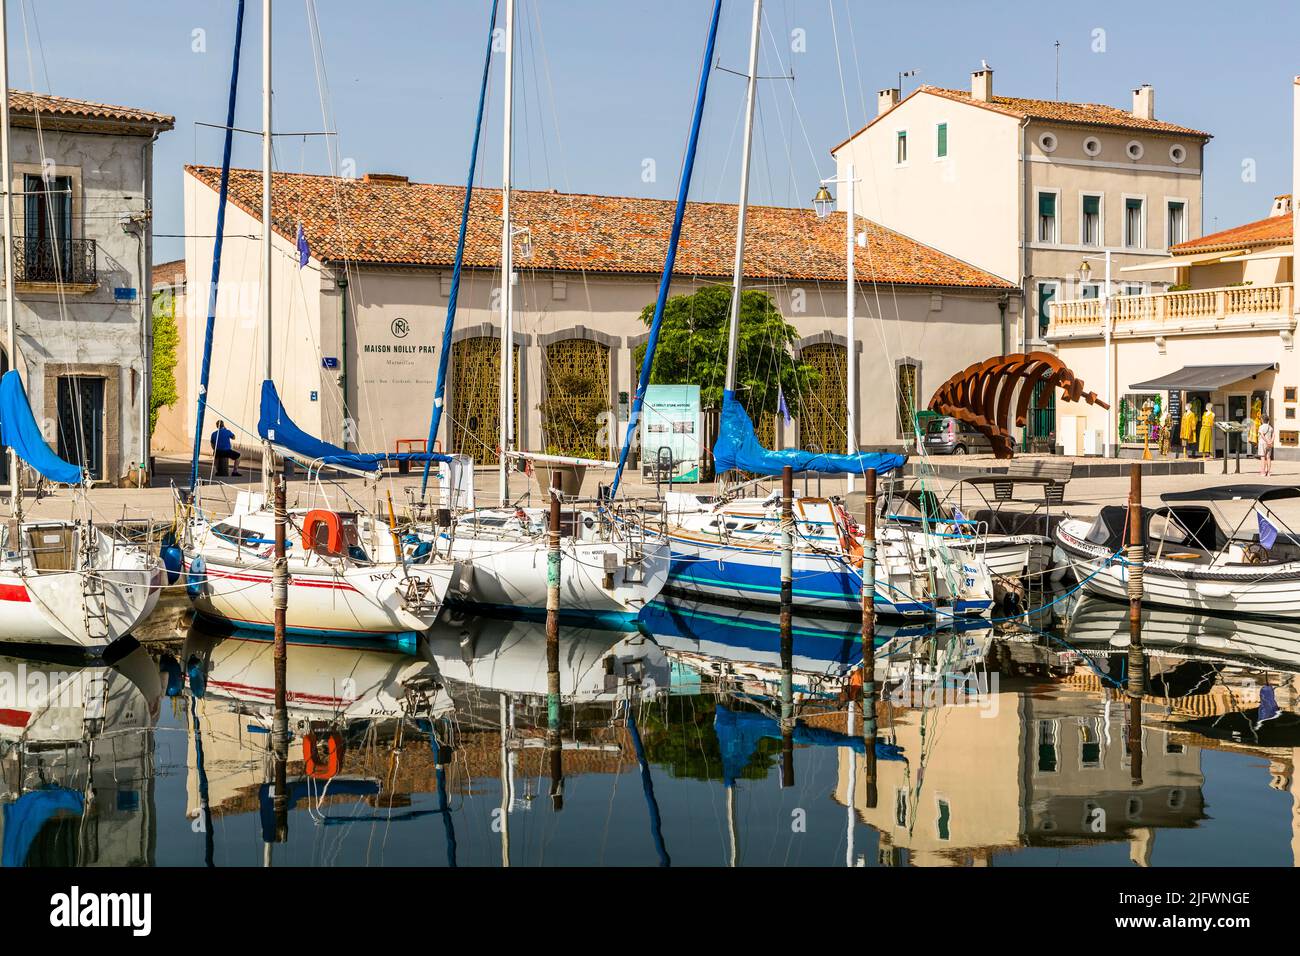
1196 259
1281 252
1203 378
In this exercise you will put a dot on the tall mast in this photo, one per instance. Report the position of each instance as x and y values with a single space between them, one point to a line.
11 332
267 453
507 390
737 277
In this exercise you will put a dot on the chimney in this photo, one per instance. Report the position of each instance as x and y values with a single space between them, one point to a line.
388 179
1281 205
886 100
1144 102
981 83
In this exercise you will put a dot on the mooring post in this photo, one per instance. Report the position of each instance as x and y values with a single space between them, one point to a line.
554 747
1136 559
869 635
787 626
280 720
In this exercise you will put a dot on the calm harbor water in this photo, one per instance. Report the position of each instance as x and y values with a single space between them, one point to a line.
1000 745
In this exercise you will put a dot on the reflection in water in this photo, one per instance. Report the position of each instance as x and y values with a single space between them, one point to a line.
996 745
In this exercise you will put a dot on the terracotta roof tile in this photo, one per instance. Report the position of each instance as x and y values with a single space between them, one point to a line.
169 273
1089 114
26 103
1053 111
1268 231
395 222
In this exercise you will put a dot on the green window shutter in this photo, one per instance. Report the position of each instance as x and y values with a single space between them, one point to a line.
1133 204
1091 205
1047 204
943 139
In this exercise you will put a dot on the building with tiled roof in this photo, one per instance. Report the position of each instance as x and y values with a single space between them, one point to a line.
83 271
359 328
388 220
1221 338
1030 189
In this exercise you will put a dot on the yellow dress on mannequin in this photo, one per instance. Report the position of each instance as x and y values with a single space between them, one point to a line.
1207 432
1187 432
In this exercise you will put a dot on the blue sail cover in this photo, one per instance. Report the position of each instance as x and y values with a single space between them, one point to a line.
739 449
26 816
18 430
275 426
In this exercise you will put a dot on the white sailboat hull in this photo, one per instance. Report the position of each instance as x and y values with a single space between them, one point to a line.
56 608
504 574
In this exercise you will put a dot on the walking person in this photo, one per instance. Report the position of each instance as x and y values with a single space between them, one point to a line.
222 452
1266 434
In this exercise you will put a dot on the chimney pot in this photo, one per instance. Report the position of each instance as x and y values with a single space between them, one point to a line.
1144 102
981 84
886 100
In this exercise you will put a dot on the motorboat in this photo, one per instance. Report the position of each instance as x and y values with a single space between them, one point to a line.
1192 562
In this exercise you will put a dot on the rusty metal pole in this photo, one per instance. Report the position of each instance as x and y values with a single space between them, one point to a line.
280 720
1136 558
554 745
787 626
869 729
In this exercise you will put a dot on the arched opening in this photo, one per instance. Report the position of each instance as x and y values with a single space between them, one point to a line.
574 409
824 415
475 398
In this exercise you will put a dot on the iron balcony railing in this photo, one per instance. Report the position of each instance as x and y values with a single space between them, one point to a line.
55 260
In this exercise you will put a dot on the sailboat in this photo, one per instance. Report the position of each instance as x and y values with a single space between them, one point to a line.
731 550
611 569
351 574
61 582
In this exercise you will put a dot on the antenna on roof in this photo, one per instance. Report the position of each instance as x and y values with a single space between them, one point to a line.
1057 44
903 75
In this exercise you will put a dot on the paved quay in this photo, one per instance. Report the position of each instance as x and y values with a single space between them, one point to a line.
1083 496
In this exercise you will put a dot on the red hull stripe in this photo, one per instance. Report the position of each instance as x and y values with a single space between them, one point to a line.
14 592
14 718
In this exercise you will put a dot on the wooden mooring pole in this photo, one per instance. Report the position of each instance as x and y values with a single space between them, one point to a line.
869 729
280 720
787 626
1136 558
554 745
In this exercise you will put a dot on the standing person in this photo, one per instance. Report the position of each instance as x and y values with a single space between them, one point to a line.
1266 434
221 450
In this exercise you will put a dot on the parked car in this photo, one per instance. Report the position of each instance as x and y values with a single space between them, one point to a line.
948 436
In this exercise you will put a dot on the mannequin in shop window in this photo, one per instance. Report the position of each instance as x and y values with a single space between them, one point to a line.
1207 432
1187 431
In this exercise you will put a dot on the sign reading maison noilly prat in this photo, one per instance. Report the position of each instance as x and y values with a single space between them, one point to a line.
398 330
670 425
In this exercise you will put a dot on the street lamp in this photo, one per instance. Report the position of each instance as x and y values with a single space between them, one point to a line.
1085 273
824 204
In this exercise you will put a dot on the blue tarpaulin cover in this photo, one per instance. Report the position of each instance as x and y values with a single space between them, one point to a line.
740 731
275 426
18 430
739 449
25 817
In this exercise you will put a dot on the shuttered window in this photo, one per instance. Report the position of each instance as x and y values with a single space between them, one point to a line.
1047 217
941 141
1090 226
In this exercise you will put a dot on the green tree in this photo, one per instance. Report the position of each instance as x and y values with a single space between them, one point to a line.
165 339
693 350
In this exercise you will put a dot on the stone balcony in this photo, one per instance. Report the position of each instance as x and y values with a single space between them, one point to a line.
1194 312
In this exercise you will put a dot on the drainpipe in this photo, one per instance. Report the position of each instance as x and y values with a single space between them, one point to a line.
146 304
343 351
1022 228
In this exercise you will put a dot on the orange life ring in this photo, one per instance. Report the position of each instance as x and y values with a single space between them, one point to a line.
333 531
333 757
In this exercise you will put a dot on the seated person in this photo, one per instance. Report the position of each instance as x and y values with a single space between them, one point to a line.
221 449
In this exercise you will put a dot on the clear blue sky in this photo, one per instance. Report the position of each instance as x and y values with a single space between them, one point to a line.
607 84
